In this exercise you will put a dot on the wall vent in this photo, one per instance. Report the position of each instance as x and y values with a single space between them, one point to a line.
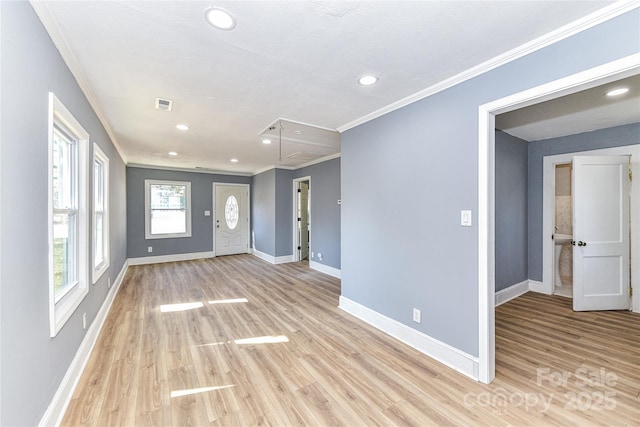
164 104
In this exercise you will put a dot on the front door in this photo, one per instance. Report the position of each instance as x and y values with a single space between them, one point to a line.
601 233
231 228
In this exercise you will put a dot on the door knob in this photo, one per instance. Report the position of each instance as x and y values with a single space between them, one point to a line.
581 243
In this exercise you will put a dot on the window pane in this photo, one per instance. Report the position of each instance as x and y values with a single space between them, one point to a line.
63 179
168 196
98 256
64 251
98 185
169 221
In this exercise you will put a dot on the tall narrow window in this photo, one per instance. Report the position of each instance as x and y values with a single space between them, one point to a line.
167 209
100 212
68 214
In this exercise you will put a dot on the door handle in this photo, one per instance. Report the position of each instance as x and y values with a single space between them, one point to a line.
581 243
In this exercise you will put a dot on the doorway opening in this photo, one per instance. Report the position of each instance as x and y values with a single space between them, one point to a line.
606 73
301 218
563 231
549 217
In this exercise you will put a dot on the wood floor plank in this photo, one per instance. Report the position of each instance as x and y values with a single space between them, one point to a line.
235 341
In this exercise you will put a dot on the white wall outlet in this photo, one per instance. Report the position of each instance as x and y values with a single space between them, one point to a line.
465 218
417 315
108 282
84 320
320 256
313 255
150 249
207 213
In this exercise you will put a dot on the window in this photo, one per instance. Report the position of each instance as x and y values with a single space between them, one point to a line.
167 209
68 214
100 212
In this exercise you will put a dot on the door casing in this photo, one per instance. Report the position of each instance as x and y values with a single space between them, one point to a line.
296 242
548 212
213 216
609 72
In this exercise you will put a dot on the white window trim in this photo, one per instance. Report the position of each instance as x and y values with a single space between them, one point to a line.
98 270
61 311
147 209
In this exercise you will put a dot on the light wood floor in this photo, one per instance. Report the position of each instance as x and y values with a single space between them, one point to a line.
289 356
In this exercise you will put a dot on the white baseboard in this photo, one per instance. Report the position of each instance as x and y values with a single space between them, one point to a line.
272 259
537 286
443 353
170 258
60 402
513 291
331 271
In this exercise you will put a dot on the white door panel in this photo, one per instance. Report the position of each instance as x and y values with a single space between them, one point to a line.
231 227
601 233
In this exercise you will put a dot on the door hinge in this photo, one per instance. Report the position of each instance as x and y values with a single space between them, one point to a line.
630 176
630 291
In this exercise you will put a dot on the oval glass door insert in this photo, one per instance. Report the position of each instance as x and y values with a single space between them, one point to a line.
231 212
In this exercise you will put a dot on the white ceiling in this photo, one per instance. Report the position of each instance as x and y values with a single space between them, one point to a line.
296 60
576 113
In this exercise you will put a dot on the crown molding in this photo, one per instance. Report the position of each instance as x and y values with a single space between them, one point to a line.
582 24
51 26
192 170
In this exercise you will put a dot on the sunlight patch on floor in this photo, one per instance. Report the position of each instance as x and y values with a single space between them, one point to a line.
229 301
170 308
187 392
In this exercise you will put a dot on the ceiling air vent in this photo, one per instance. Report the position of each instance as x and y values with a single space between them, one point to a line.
304 155
164 104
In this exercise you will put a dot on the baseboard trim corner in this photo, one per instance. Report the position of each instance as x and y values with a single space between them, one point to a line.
270 258
536 286
444 353
331 271
61 399
513 291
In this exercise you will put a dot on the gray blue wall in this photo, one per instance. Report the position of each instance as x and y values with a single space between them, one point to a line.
284 212
263 212
605 138
407 175
511 223
272 211
325 211
31 363
201 239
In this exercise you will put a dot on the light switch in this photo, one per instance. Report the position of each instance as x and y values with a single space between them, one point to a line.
207 213
465 218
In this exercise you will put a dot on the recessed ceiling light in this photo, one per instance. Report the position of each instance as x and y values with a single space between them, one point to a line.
182 127
368 80
172 153
266 141
618 91
220 18
234 160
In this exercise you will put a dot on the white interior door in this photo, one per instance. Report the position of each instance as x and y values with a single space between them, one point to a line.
304 223
231 228
601 233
